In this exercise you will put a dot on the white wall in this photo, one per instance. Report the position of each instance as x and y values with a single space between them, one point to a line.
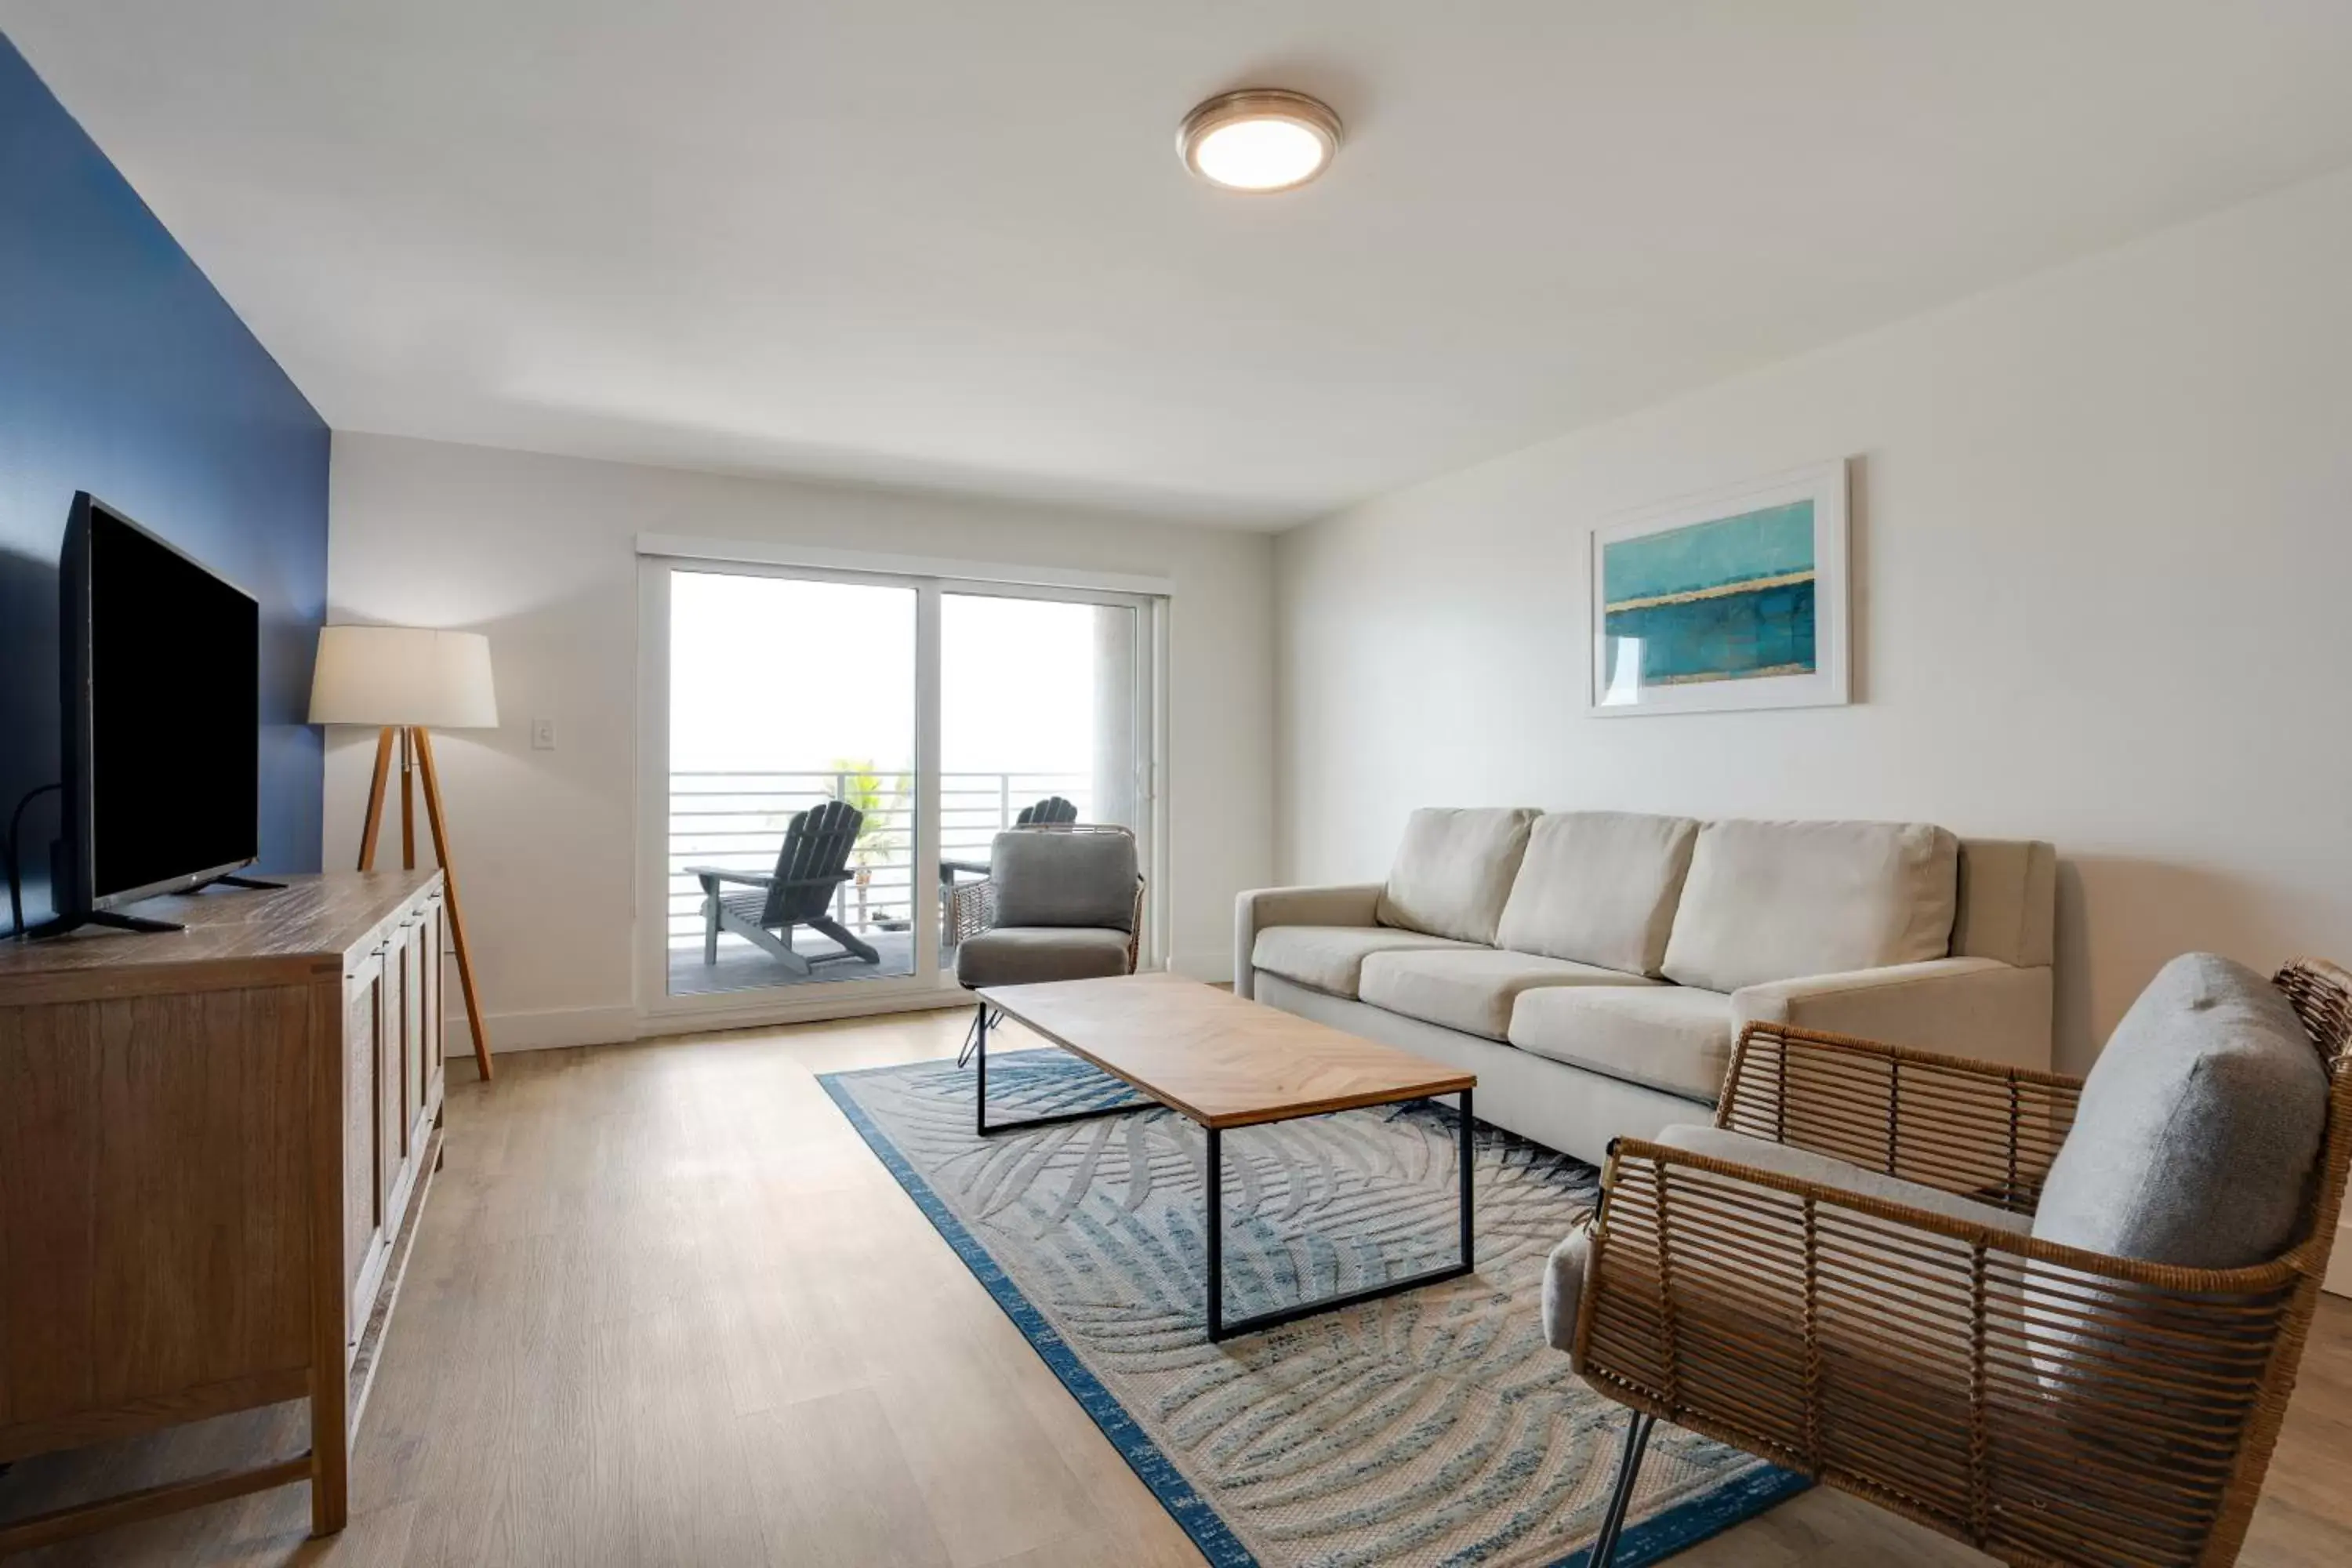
537 551
2102 546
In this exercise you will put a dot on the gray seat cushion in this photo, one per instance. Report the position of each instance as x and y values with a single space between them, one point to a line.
1827 1170
1470 989
1023 955
1330 959
1046 878
1671 1037
1564 1275
2198 1126
1599 886
1454 871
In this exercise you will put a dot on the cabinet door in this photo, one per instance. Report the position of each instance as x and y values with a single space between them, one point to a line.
362 1118
391 1127
436 1043
412 1034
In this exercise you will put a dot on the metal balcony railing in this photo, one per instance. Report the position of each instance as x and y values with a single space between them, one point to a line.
737 820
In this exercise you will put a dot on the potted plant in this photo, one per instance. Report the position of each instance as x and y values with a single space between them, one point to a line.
879 797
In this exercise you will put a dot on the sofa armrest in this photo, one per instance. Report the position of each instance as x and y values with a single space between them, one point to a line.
1258 908
1975 1008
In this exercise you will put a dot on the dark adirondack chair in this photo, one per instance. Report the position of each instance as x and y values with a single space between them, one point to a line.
813 864
1047 812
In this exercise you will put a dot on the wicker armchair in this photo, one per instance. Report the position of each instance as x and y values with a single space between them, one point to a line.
2045 1404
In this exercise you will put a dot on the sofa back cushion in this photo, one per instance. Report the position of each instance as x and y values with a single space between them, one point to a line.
1454 871
2199 1127
1781 900
1599 887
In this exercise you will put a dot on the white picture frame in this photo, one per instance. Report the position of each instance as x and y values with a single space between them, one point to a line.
1731 644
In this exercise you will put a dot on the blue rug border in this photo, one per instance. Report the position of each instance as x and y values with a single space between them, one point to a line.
1653 1540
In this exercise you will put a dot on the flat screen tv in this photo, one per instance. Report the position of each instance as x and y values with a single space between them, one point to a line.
161 660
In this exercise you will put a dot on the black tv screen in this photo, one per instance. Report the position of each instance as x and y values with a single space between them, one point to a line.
162 711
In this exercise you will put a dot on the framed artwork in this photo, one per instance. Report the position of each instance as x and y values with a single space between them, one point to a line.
1734 599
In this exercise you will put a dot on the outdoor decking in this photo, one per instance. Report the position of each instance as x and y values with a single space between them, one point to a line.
743 967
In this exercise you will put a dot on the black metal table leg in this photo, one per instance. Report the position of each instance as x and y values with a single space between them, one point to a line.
1219 1327
1466 1161
980 1076
980 1094
1216 1235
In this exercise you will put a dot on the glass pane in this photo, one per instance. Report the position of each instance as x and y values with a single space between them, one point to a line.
1037 713
787 695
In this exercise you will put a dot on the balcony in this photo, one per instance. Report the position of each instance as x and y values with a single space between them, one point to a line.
737 820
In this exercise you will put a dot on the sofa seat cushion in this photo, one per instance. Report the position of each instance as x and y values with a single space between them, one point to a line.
1779 900
1331 958
1599 886
1470 989
2199 1127
1454 871
1023 955
1671 1037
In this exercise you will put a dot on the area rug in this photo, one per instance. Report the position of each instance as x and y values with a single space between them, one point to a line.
1431 1427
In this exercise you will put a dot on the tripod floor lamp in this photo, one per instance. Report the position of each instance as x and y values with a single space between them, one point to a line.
409 681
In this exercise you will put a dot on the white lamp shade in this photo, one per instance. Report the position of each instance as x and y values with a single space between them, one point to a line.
402 675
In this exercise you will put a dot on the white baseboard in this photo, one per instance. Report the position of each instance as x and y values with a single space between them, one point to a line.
2339 1262
545 1030
1216 967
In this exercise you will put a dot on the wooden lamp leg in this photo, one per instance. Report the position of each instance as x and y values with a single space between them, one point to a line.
375 800
424 742
408 799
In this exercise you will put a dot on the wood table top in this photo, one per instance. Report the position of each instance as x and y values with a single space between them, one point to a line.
1216 1057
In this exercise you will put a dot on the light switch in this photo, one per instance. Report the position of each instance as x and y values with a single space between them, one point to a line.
542 734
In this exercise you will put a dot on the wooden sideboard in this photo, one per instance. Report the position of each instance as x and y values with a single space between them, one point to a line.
214 1148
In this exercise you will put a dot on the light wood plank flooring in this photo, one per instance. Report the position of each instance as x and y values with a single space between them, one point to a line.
666 1309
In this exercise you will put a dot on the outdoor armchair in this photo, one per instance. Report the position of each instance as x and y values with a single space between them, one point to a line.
1840 1275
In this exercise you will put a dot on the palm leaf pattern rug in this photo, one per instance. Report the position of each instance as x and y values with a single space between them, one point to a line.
1432 1427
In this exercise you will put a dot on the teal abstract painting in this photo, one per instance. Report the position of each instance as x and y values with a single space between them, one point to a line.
1728 599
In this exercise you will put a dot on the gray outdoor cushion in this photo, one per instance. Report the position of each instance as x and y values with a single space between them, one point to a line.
1565 1270
2198 1126
1827 1170
1023 955
1045 878
1563 1287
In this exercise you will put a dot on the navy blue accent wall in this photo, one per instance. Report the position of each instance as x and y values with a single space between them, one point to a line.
124 374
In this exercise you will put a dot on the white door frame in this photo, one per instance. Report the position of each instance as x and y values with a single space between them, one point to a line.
658 1012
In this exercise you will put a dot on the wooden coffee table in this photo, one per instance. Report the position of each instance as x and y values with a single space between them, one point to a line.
1223 1062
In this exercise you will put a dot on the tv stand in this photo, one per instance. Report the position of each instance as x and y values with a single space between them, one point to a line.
213 1149
254 884
61 924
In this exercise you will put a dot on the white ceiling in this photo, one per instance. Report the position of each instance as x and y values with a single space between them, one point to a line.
948 242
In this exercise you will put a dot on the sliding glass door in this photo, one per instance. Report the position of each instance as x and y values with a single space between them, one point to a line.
828 757
786 696
1038 709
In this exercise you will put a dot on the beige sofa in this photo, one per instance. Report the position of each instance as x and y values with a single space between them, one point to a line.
1594 968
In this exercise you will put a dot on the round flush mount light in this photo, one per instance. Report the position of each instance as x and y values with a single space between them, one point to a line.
1261 138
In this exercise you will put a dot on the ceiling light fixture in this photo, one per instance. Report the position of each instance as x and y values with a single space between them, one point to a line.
1261 138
